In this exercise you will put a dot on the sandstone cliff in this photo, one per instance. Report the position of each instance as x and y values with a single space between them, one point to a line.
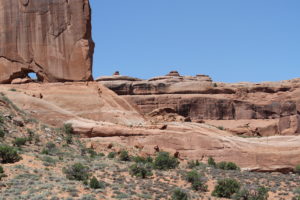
51 38
253 109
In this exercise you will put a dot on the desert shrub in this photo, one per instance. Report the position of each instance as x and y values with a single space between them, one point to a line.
48 161
2 133
20 142
95 184
227 166
9 154
111 155
92 153
297 169
297 194
139 159
101 154
211 162
69 139
260 193
179 194
77 172
1 119
2 172
196 180
13 89
164 161
192 164
50 149
226 188
30 135
221 128
124 156
67 129
140 170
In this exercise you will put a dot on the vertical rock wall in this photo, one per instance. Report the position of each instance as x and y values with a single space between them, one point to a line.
49 37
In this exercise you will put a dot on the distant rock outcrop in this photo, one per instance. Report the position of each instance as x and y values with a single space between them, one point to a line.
50 37
275 104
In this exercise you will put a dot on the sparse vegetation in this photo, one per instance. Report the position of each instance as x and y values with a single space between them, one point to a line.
192 164
139 159
260 193
2 133
297 169
227 166
20 142
95 184
9 154
226 188
2 173
124 156
196 180
140 170
211 162
164 161
111 155
50 149
77 172
179 194
68 129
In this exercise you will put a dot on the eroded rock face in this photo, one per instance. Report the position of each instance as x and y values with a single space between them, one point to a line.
49 37
199 98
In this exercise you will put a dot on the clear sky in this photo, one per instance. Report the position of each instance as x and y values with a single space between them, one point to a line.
230 40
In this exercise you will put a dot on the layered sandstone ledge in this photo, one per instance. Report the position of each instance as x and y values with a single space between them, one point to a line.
51 38
252 109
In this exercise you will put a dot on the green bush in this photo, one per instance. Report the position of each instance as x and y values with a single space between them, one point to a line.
1 119
192 164
69 139
2 133
77 172
111 155
8 154
196 180
227 166
211 162
140 170
68 129
226 188
164 161
95 184
297 194
30 135
92 153
20 142
48 161
179 194
50 149
261 193
139 159
2 173
124 156
101 154
297 169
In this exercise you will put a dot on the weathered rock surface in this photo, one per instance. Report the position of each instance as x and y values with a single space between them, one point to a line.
201 99
103 118
50 37
56 103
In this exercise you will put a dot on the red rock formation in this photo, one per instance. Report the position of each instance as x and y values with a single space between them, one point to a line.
200 99
51 38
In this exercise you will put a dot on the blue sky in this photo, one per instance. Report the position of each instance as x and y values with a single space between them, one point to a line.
230 40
